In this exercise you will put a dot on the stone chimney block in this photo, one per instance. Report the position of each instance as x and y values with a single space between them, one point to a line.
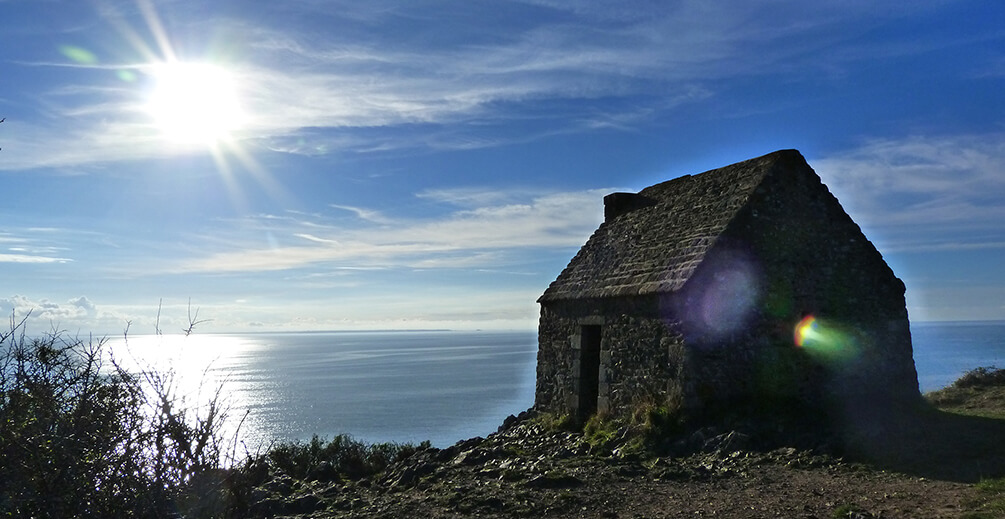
617 204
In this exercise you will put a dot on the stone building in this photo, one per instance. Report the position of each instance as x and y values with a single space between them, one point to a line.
741 282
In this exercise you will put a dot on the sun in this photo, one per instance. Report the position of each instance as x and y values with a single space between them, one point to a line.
194 103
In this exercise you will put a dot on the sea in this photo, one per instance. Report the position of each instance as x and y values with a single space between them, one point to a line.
411 386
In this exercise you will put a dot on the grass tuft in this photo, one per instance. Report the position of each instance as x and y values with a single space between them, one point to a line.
846 511
992 499
557 422
641 431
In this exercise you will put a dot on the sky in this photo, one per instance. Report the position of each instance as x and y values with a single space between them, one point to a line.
330 164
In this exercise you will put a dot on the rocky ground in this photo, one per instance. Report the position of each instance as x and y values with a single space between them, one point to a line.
925 467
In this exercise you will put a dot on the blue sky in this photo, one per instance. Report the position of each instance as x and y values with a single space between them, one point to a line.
309 164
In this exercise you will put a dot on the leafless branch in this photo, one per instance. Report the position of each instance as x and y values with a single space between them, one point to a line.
193 320
157 323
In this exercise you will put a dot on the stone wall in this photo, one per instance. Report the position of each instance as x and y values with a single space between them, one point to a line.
640 357
814 260
644 358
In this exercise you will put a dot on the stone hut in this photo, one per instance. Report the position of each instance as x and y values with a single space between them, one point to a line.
742 282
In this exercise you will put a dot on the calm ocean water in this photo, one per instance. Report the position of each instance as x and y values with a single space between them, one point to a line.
945 350
379 386
414 386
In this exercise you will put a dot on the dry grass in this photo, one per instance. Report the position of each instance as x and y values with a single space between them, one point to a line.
979 392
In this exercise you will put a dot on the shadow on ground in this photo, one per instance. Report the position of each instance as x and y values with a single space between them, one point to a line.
931 443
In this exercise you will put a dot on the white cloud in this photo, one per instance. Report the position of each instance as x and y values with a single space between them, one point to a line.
928 193
84 304
365 214
470 197
26 258
485 236
310 237
297 85
49 313
957 302
32 245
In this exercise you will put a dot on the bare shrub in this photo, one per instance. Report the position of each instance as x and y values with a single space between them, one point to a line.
82 438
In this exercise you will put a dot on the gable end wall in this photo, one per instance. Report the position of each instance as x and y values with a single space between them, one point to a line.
815 260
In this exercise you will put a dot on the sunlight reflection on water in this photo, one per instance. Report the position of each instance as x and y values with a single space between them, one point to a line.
414 386
198 367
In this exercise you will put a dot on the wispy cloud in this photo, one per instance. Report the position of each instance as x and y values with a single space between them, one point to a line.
312 92
942 245
27 246
947 189
369 215
483 236
471 197
25 258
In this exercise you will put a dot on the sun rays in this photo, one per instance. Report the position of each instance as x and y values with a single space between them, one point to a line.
192 101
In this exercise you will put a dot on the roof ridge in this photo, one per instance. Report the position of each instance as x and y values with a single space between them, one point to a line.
655 247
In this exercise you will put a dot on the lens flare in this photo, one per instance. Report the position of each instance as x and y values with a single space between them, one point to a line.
824 340
806 330
721 299
78 54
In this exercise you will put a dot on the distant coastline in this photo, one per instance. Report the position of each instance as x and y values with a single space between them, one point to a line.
932 323
959 323
362 331
375 330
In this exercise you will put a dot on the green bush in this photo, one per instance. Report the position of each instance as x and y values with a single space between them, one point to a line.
342 458
981 377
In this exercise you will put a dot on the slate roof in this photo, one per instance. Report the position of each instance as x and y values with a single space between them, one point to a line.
656 247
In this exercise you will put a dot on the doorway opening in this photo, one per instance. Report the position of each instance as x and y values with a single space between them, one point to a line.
589 369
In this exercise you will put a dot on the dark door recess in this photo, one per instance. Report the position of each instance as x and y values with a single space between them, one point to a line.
589 369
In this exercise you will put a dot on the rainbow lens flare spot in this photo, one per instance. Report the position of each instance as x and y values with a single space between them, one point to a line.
824 340
806 330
